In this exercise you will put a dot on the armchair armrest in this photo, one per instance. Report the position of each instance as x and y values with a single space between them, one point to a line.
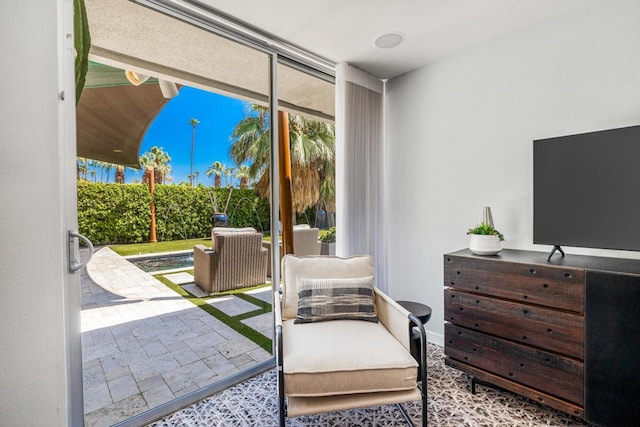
399 322
202 266
394 317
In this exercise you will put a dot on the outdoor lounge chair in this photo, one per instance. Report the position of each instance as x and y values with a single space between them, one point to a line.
235 260
330 353
305 242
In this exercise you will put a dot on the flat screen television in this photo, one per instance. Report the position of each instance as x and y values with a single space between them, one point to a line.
586 190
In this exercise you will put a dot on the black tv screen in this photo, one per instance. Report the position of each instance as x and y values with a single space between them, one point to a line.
586 190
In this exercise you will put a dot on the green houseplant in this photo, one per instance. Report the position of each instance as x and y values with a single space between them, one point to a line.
328 242
485 239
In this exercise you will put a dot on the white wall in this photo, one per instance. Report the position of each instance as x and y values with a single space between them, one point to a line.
34 356
459 135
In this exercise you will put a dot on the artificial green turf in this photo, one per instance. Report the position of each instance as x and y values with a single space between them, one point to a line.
169 246
234 322
150 248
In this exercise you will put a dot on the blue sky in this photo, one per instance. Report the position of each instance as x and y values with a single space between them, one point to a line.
171 130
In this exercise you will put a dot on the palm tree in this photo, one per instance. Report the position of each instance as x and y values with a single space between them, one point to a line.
108 167
119 178
91 168
82 168
312 145
159 160
251 141
230 172
243 175
193 122
216 168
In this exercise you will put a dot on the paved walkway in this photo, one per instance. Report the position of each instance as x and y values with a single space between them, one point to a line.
144 345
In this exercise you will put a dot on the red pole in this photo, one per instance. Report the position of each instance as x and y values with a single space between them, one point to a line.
152 184
286 206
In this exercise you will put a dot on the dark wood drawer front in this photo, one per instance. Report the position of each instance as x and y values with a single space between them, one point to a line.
553 330
557 287
553 374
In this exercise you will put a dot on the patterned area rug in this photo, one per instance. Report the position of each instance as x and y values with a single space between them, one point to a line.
254 403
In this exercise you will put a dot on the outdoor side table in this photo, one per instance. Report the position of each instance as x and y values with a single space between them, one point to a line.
422 312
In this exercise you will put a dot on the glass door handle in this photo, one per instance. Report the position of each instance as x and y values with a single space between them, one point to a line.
74 257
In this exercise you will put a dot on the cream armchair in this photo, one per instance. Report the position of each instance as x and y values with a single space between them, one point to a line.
331 353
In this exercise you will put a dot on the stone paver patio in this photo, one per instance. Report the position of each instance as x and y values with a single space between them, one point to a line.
144 345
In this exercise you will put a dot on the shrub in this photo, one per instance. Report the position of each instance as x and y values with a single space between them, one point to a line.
116 213
328 236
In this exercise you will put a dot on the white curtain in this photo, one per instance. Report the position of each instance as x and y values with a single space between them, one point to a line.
360 190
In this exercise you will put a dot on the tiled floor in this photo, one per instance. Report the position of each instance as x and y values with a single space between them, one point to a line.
450 404
144 345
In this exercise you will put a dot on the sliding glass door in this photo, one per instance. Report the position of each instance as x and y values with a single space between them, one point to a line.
157 338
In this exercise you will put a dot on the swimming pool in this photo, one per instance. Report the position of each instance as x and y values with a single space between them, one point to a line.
163 262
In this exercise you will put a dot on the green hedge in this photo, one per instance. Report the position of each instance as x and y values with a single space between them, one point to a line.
117 213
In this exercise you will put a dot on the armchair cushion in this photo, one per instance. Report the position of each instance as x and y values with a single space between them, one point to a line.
319 268
321 300
369 359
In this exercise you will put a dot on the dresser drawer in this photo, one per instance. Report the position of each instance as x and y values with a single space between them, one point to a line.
548 372
556 287
554 330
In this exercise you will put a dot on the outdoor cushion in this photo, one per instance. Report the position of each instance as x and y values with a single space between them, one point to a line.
317 267
321 300
344 357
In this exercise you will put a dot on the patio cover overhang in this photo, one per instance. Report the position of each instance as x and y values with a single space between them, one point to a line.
113 115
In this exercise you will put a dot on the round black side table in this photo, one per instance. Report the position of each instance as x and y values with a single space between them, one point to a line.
422 312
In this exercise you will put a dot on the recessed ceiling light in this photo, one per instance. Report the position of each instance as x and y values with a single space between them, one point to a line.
389 40
117 150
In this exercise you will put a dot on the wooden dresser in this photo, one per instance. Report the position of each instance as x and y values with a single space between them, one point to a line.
519 322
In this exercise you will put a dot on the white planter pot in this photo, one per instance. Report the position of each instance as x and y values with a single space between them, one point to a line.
328 248
484 245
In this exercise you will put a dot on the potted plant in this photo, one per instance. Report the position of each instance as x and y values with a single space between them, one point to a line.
328 242
485 240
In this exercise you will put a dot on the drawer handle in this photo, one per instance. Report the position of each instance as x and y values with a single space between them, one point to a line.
526 312
546 285
532 270
458 272
549 330
568 275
